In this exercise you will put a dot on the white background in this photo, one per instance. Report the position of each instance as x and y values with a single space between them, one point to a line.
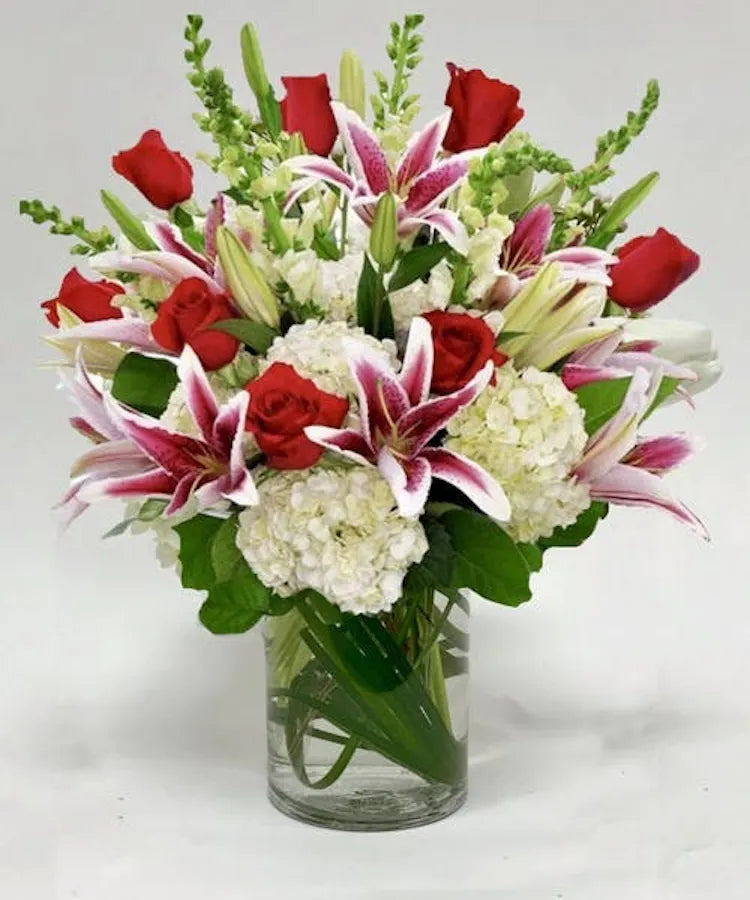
610 738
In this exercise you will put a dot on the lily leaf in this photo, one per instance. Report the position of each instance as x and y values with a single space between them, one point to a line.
600 400
416 264
256 335
621 209
144 383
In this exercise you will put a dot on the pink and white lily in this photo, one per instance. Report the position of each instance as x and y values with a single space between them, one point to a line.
420 181
525 252
611 358
398 420
622 468
209 468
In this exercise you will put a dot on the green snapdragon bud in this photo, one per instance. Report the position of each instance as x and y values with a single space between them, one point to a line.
352 82
247 285
384 234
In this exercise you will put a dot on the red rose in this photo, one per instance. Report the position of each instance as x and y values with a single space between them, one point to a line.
463 344
307 109
185 317
282 405
163 176
484 109
89 300
650 268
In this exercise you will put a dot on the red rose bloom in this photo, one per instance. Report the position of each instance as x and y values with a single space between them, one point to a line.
463 344
307 109
163 176
89 300
650 268
282 405
484 109
185 317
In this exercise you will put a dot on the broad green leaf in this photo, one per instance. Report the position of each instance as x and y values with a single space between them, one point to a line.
581 530
324 244
488 561
196 539
416 264
621 209
436 567
226 557
601 400
256 335
373 308
144 383
235 606
532 556
131 226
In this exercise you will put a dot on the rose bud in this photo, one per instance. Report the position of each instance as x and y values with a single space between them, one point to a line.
186 316
163 176
307 109
484 109
462 344
91 301
650 268
282 405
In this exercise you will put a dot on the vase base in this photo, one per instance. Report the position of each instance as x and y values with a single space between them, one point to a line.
378 803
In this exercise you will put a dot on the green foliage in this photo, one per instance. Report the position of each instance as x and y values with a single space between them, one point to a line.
91 241
255 335
416 264
581 530
624 206
196 540
144 383
403 51
600 400
234 606
487 560
129 224
373 307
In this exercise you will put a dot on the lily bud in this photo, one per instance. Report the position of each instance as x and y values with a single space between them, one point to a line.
130 226
247 285
384 234
252 60
352 82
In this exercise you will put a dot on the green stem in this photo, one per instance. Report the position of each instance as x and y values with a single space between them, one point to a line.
344 223
275 230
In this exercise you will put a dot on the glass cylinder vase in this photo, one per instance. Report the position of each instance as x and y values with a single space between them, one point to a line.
368 716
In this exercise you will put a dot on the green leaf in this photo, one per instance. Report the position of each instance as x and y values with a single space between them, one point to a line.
488 561
601 400
233 607
131 226
373 309
581 530
621 209
226 557
144 383
436 567
532 556
256 335
416 264
324 244
196 539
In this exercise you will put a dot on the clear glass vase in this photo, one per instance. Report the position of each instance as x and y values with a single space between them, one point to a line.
368 716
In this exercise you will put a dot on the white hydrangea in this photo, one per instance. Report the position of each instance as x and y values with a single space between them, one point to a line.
421 297
527 431
338 288
177 416
336 531
315 350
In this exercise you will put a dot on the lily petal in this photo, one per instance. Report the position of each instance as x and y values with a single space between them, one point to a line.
300 187
629 486
472 480
171 267
127 330
422 150
155 483
431 188
445 222
409 480
346 441
111 458
382 399
321 169
89 399
530 237
663 453
199 396
169 239
363 149
416 371
215 216
422 423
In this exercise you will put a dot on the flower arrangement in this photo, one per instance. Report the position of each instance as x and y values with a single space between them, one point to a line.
383 366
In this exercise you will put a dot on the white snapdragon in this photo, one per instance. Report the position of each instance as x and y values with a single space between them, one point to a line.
485 248
336 531
527 431
315 349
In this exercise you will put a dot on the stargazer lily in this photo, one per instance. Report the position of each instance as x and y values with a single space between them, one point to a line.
208 468
622 468
525 252
398 420
420 181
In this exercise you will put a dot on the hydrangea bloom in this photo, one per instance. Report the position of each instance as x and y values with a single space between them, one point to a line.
421 297
527 431
316 351
336 531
